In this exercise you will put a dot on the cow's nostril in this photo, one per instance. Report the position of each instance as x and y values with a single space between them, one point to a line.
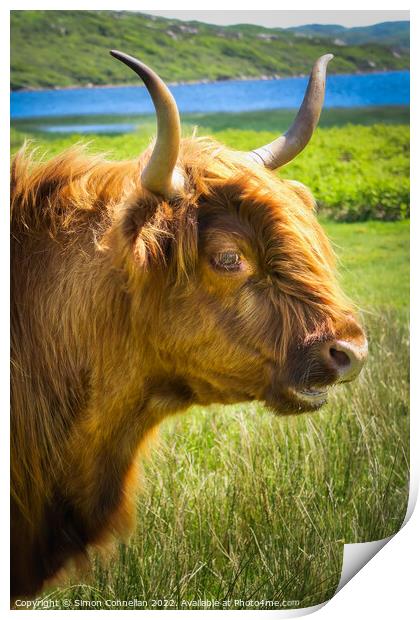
345 357
340 358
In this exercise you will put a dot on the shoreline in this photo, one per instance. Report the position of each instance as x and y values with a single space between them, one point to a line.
191 118
91 86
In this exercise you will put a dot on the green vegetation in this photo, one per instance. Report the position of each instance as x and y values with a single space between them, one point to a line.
374 263
68 48
356 171
237 503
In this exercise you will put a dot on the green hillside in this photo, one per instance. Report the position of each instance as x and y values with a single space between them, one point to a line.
69 48
395 34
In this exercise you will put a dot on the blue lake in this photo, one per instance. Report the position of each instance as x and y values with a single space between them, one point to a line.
375 89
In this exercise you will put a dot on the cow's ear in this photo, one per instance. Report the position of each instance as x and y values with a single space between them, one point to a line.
143 229
303 192
133 217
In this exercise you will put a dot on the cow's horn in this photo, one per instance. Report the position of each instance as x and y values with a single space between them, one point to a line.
160 175
285 148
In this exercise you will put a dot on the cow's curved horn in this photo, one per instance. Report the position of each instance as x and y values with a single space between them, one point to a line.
285 148
159 176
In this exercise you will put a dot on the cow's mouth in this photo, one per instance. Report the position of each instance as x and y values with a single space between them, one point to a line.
293 400
315 396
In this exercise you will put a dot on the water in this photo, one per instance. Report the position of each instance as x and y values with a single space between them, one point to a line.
91 128
375 89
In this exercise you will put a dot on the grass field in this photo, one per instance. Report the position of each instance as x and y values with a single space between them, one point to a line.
239 506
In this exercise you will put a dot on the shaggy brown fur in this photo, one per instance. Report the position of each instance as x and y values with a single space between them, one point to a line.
119 318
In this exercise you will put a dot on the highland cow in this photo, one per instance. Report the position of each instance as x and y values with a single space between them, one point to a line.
192 275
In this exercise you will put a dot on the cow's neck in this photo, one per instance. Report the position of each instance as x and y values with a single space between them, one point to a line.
129 395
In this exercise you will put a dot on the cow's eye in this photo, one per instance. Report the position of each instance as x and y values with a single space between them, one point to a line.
227 261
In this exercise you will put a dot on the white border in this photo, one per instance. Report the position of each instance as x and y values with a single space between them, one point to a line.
385 587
